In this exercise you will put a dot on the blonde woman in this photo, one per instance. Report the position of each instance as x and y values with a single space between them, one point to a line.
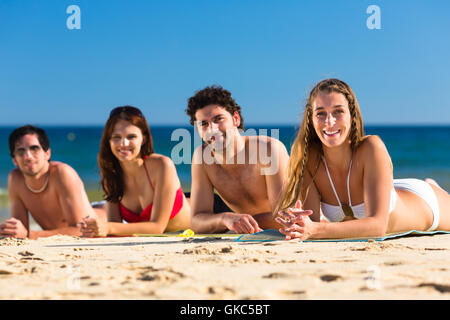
336 169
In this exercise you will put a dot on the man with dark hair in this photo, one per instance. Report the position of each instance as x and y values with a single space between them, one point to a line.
52 192
233 165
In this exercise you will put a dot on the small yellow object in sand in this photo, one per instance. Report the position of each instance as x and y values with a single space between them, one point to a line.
187 233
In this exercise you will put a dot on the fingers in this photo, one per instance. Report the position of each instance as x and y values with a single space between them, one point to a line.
8 232
245 224
88 227
286 215
293 232
297 211
254 224
89 234
90 222
9 228
11 223
284 222
292 216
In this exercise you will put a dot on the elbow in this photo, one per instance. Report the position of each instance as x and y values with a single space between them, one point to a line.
379 228
381 232
159 229
195 225
201 225
150 227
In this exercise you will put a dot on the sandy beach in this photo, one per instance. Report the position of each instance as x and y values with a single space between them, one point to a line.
63 267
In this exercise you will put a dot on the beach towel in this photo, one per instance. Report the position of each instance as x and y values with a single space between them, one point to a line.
187 234
275 235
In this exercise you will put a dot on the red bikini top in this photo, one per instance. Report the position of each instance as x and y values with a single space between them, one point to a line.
130 216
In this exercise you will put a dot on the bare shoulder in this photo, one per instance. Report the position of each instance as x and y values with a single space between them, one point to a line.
203 158
272 144
161 167
313 162
14 177
373 152
63 174
370 145
62 169
197 157
159 161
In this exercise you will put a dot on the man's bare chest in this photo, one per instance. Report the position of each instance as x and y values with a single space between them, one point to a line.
239 183
45 208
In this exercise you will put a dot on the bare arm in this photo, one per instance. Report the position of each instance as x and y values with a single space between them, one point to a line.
312 200
203 219
275 174
166 185
18 211
112 211
378 182
73 201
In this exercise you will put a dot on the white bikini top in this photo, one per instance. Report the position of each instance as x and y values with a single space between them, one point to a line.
336 213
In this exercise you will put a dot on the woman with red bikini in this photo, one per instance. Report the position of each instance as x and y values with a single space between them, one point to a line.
141 187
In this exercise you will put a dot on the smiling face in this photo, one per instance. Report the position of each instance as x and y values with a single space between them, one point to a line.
126 141
29 156
216 126
331 118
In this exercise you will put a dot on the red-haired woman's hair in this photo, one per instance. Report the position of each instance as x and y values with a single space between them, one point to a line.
110 170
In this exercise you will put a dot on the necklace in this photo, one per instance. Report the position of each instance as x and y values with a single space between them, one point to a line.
41 189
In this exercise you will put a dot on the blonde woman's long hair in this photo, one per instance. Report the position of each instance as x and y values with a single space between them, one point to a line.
308 140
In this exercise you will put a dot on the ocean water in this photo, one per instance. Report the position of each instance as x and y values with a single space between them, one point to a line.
416 151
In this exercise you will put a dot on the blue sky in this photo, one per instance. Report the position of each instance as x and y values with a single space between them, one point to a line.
269 54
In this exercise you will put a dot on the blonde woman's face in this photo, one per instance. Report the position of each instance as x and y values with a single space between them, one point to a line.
331 118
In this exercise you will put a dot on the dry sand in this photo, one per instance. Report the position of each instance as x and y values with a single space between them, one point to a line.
63 267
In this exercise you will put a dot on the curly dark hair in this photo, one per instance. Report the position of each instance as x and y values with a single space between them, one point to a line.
214 94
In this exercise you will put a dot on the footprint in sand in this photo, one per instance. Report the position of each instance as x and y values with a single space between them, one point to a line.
221 292
442 288
393 263
27 255
376 246
269 244
32 269
160 275
5 272
294 294
208 251
12 242
276 275
330 277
